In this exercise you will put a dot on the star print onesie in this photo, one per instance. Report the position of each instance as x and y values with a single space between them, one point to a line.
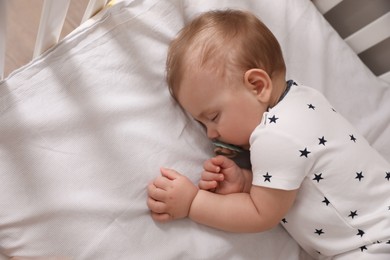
343 203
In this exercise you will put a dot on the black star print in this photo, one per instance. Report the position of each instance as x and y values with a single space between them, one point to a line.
267 177
273 119
322 141
326 201
311 106
359 175
319 232
360 233
353 214
387 176
284 221
353 138
318 177
362 248
334 110
304 152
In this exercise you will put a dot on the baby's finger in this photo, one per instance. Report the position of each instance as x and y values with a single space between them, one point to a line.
169 173
156 206
162 182
207 185
156 193
222 161
163 217
211 167
211 176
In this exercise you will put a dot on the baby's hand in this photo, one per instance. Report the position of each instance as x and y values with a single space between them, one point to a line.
170 196
211 176
222 176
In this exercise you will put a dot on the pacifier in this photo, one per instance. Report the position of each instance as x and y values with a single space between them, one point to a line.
228 150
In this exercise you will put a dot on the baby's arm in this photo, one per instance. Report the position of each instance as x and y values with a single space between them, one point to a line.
224 176
260 210
173 196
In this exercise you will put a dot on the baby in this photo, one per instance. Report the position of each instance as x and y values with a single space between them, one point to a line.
311 170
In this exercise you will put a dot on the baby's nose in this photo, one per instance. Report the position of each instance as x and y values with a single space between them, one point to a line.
212 134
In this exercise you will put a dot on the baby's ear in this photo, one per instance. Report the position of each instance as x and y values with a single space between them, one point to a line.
259 83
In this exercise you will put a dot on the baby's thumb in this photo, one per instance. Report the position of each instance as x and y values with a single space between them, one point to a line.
169 173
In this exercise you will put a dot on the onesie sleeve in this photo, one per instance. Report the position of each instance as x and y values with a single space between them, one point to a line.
278 159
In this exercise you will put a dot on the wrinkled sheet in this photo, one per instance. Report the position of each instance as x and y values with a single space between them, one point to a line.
87 125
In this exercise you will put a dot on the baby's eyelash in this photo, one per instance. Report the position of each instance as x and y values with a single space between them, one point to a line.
214 117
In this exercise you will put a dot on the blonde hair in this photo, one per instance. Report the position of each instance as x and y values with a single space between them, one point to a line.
227 41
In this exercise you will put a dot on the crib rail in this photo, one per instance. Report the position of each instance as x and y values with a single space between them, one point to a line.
364 25
51 22
50 26
93 7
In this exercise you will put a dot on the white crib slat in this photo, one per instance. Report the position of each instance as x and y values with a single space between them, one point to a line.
3 32
50 26
93 7
370 35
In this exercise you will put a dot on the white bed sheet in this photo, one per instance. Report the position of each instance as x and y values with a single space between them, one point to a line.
85 127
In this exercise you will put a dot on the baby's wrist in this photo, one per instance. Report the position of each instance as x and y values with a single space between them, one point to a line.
196 191
247 181
196 205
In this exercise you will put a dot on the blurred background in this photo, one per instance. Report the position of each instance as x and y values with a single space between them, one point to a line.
22 26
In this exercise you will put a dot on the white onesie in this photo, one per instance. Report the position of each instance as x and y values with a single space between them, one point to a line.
343 204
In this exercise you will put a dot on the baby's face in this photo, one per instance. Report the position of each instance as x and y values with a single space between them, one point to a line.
229 112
